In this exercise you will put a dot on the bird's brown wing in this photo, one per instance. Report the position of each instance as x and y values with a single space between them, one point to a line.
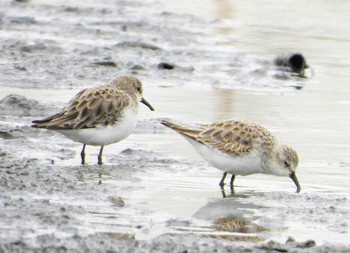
89 108
232 137
227 136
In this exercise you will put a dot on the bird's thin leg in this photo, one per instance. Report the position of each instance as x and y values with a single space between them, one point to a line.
232 190
222 181
100 156
223 192
232 180
82 155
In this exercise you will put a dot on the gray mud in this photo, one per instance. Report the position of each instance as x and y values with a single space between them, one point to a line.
141 200
88 42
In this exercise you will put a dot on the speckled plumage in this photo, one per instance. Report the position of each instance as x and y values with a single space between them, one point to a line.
97 106
240 147
99 115
235 137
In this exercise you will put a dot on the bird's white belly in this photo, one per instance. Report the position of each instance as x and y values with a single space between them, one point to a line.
104 135
244 165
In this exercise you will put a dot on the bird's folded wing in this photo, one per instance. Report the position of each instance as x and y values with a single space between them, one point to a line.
89 108
231 137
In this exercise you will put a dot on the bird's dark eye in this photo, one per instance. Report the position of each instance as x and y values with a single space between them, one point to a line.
286 163
138 88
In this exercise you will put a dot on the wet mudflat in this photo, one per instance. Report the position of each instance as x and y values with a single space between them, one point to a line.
198 65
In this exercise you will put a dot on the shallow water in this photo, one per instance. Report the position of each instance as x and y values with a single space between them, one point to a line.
314 120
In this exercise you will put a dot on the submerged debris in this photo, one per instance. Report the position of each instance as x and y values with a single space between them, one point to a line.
293 62
106 63
165 65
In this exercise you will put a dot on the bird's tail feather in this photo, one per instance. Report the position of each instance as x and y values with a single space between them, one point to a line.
192 133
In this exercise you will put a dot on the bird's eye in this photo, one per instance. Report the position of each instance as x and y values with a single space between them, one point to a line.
138 88
286 163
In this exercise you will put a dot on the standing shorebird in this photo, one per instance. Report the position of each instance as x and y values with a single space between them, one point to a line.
240 148
99 115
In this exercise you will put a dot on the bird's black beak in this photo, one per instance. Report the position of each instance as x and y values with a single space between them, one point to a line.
144 101
295 180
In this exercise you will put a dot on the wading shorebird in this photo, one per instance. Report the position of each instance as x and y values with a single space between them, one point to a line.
240 147
100 115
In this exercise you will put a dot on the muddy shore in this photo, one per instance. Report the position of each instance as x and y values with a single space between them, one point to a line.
50 203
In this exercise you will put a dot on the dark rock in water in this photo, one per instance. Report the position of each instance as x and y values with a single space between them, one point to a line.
106 63
293 62
165 65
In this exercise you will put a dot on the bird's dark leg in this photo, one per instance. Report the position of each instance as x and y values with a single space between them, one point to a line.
232 190
223 192
232 180
222 181
100 156
82 155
